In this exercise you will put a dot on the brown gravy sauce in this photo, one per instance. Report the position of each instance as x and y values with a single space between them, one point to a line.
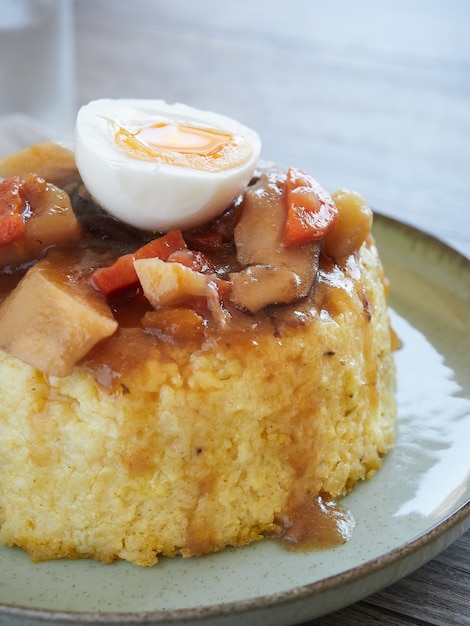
315 524
105 239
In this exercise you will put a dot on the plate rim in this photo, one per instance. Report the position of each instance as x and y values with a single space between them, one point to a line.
418 231
457 520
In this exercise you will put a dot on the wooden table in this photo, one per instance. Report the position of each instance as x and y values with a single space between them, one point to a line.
367 95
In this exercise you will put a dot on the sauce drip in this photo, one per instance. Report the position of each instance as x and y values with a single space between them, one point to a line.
316 524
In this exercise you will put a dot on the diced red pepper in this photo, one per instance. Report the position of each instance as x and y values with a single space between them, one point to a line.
122 273
12 207
311 211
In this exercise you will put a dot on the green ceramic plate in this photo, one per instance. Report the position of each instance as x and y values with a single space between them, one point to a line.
414 507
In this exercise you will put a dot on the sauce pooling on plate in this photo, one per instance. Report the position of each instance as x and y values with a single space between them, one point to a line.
315 524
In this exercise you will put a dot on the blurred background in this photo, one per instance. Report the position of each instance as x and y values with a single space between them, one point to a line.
370 95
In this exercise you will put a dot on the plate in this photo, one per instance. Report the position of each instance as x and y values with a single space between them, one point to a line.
416 505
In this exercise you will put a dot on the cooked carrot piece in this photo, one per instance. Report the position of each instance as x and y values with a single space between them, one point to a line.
311 211
162 247
12 206
11 227
122 273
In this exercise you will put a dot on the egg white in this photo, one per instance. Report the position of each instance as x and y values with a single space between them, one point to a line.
155 195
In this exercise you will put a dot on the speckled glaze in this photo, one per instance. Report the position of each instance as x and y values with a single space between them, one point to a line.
416 505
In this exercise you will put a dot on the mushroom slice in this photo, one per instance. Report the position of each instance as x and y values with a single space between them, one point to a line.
289 273
258 286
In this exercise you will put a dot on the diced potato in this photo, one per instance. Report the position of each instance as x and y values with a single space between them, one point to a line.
46 323
353 225
259 286
50 160
168 283
52 222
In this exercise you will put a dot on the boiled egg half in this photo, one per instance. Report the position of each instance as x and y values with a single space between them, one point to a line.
159 166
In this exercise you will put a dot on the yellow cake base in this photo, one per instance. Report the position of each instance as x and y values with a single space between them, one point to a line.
200 449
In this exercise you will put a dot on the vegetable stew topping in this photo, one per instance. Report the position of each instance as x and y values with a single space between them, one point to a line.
76 276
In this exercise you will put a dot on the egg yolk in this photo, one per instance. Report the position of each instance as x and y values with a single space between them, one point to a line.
184 145
184 138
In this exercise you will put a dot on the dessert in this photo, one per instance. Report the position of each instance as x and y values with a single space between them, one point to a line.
204 380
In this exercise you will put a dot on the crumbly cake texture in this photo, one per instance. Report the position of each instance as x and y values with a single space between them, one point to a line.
196 450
